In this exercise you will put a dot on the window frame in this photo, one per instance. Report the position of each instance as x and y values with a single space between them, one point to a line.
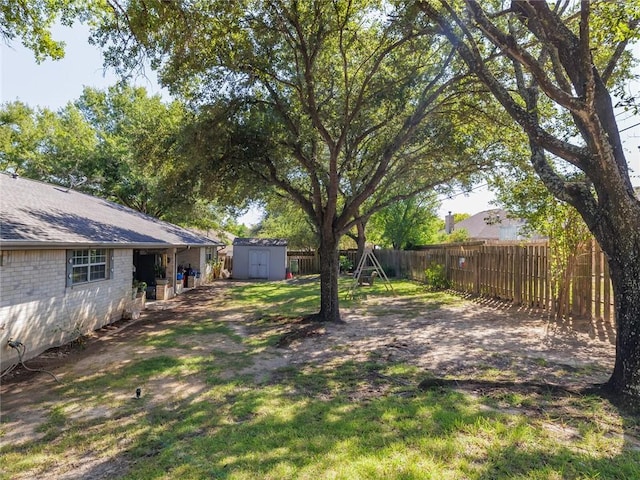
95 261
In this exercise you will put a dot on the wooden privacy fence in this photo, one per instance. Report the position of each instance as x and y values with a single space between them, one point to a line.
307 262
518 273
303 262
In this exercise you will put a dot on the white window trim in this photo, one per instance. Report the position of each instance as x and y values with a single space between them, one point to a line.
108 255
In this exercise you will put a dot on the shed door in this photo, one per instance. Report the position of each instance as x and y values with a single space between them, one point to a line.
258 263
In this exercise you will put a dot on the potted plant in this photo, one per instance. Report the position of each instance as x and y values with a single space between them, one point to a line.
138 288
142 288
161 275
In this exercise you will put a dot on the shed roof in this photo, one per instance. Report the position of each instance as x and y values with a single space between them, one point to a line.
260 242
40 215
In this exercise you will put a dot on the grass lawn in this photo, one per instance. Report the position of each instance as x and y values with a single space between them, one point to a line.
205 414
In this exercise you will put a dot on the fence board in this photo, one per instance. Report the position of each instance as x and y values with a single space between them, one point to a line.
517 273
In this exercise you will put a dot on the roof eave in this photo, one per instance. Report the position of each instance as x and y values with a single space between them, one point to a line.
40 245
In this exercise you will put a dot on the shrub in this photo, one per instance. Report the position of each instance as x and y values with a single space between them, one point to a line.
139 285
346 265
436 277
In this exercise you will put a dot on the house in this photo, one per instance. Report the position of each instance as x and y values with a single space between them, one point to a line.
494 224
259 258
68 262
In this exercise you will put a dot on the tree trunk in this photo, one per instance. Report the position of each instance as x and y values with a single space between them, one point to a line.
329 272
619 237
626 288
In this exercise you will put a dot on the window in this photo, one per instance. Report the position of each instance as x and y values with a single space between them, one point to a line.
89 265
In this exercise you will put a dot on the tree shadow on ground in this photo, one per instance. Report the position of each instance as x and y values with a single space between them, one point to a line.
349 422
348 419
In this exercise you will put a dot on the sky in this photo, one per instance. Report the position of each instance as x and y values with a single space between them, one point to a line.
53 84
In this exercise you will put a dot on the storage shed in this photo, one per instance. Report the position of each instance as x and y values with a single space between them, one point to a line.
260 258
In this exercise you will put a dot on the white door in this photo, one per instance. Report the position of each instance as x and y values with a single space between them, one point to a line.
258 263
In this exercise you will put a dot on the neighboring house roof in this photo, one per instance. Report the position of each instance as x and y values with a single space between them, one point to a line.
260 242
219 238
492 224
224 239
35 214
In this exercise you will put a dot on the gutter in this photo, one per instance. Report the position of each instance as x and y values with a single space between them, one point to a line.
40 245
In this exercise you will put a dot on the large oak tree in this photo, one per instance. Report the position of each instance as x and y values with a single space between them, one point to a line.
567 57
335 102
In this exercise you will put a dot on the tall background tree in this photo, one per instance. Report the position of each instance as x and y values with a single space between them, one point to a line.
285 219
56 147
334 103
551 67
407 223
121 144
137 151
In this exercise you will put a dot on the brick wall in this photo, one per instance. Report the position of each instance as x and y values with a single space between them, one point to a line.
37 308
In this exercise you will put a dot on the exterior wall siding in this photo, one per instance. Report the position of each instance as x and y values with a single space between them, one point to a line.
38 309
278 263
240 262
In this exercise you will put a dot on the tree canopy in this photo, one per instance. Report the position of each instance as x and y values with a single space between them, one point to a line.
138 139
285 219
120 144
56 147
335 104
30 21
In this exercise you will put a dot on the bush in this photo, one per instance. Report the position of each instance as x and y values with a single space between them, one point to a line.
346 265
436 277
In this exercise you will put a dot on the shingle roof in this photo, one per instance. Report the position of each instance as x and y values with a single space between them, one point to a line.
36 214
260 242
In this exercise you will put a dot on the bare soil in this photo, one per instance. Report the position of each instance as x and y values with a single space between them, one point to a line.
462 341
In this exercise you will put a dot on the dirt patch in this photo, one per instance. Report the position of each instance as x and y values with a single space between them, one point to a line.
300 332
465 340
263 366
